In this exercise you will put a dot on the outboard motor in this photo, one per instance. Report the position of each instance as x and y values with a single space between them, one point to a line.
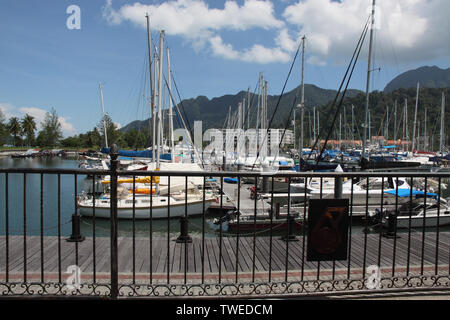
375 218
230 215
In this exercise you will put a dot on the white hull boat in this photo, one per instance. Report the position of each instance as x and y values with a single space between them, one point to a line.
158 207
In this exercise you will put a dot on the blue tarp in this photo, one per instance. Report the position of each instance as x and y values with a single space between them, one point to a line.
407 193
139 154
331 153
230 180
390 147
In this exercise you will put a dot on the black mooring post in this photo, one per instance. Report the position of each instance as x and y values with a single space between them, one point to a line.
338 188
290 225
76 234
184 236
392 226
277 210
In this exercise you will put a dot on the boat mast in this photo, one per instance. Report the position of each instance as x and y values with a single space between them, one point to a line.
415 119
302 102
340 131
353 126
160 64
293 124
345 127
386 133
258 112
318 124
369 63
155 94
441 138
395 121
405 124
152 92
103 115
248 108
425 142
171 142
314 124
370 135
264 120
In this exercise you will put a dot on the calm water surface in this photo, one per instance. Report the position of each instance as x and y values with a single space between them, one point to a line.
68 204
49 221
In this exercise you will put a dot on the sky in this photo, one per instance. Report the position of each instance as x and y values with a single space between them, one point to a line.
55 56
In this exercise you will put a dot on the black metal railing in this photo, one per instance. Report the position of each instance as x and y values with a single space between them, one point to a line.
244 239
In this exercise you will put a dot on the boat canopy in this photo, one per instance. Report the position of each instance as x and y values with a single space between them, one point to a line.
138 154
407 193
230 180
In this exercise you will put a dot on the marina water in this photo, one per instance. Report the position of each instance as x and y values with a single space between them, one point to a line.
68 205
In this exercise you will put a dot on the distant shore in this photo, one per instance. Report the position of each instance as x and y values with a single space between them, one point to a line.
43 152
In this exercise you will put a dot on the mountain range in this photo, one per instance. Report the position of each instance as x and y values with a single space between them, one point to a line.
429 77
213 112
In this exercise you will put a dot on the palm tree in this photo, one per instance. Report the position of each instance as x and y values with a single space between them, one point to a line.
14 128
28 128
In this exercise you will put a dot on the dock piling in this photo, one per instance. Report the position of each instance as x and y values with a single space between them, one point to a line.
184 236
76 234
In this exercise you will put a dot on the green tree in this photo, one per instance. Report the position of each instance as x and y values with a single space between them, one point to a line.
14 129
71 142
94 139
51 132
3 129
28 128
113 134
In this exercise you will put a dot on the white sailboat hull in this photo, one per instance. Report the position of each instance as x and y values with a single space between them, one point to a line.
176 208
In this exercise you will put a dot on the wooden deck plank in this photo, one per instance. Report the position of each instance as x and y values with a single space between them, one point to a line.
212 262
228 255
242 262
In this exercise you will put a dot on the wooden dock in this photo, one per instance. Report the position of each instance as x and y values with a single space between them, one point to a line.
256 258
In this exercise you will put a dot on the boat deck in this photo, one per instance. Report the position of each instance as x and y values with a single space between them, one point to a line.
246 204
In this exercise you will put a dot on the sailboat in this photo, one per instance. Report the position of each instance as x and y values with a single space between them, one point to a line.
153 196
381 162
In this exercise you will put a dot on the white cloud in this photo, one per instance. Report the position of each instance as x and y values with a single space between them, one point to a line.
10 110
406 30
409 30
197 23
285 42
38 114
257 53
192 18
